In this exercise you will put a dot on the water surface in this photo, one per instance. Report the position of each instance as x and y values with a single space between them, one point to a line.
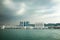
30 34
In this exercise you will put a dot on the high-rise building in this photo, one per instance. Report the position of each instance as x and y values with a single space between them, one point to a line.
21 24
24 23
39 25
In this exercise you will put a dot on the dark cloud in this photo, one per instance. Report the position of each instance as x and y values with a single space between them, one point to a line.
7 15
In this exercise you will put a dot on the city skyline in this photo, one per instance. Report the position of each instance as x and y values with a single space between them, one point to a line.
28 25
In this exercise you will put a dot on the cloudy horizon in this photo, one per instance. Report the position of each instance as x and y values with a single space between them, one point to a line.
13 11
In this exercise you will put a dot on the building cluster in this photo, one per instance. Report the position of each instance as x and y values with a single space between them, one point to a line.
52 25
28 25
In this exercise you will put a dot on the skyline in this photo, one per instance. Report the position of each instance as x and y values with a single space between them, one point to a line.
12 11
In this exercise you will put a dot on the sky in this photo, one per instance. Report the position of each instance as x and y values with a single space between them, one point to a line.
14 11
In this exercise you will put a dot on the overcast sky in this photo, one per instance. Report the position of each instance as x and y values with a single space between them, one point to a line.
13 11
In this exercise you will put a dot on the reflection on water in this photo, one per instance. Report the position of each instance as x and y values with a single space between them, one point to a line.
30 34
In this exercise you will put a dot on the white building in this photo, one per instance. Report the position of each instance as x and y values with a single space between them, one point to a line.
39 25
